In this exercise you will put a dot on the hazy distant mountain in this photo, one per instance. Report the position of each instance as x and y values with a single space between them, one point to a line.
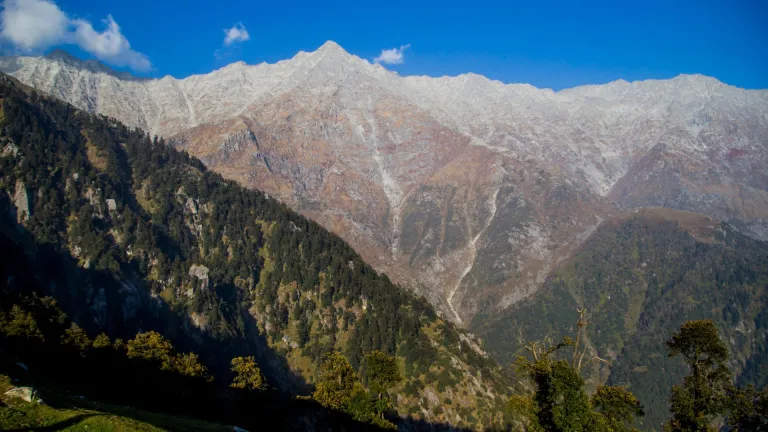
469 190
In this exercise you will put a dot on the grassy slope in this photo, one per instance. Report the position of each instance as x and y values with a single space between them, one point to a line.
81 415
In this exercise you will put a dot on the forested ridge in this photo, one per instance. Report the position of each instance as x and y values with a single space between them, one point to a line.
640 278
135 236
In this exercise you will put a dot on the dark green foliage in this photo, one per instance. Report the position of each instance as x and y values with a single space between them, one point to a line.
616 407
560 402
66 356
146 372
364 408
381 372
641 279
707 393
703 394
337 383
748 410
339 388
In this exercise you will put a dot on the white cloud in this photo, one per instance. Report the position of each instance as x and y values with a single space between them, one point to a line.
30 24
392 56
238 33
109 45
34 25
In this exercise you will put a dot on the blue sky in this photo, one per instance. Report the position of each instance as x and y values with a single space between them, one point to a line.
545 43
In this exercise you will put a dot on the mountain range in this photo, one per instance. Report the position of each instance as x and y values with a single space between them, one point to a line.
468 190
509 208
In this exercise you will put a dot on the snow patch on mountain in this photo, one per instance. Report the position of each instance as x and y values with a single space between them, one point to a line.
390 161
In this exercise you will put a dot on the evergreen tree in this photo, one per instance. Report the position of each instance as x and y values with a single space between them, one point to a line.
76 337
703 394
748 410
616 408
381 372
337 382
19 323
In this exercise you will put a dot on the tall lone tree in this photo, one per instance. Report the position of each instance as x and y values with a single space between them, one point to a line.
703 395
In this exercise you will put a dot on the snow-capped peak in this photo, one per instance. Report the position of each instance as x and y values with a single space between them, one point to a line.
331 46
467 102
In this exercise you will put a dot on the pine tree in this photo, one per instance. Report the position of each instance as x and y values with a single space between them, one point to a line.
703 394
337 382
76 338
381 372
748 410
20 323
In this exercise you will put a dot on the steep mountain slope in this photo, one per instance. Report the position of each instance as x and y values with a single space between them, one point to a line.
470 191
135 235
640 276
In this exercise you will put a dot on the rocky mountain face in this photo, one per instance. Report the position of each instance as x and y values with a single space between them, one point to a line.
468 190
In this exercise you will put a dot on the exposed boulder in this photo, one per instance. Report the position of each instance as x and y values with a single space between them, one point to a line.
191 205
10 149
111 204
200 272
21 201
27 394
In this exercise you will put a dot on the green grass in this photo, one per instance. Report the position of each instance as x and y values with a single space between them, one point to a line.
82 415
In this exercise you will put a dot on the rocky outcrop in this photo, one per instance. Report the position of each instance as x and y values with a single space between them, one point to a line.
21 202
200 272
27 394
111 204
